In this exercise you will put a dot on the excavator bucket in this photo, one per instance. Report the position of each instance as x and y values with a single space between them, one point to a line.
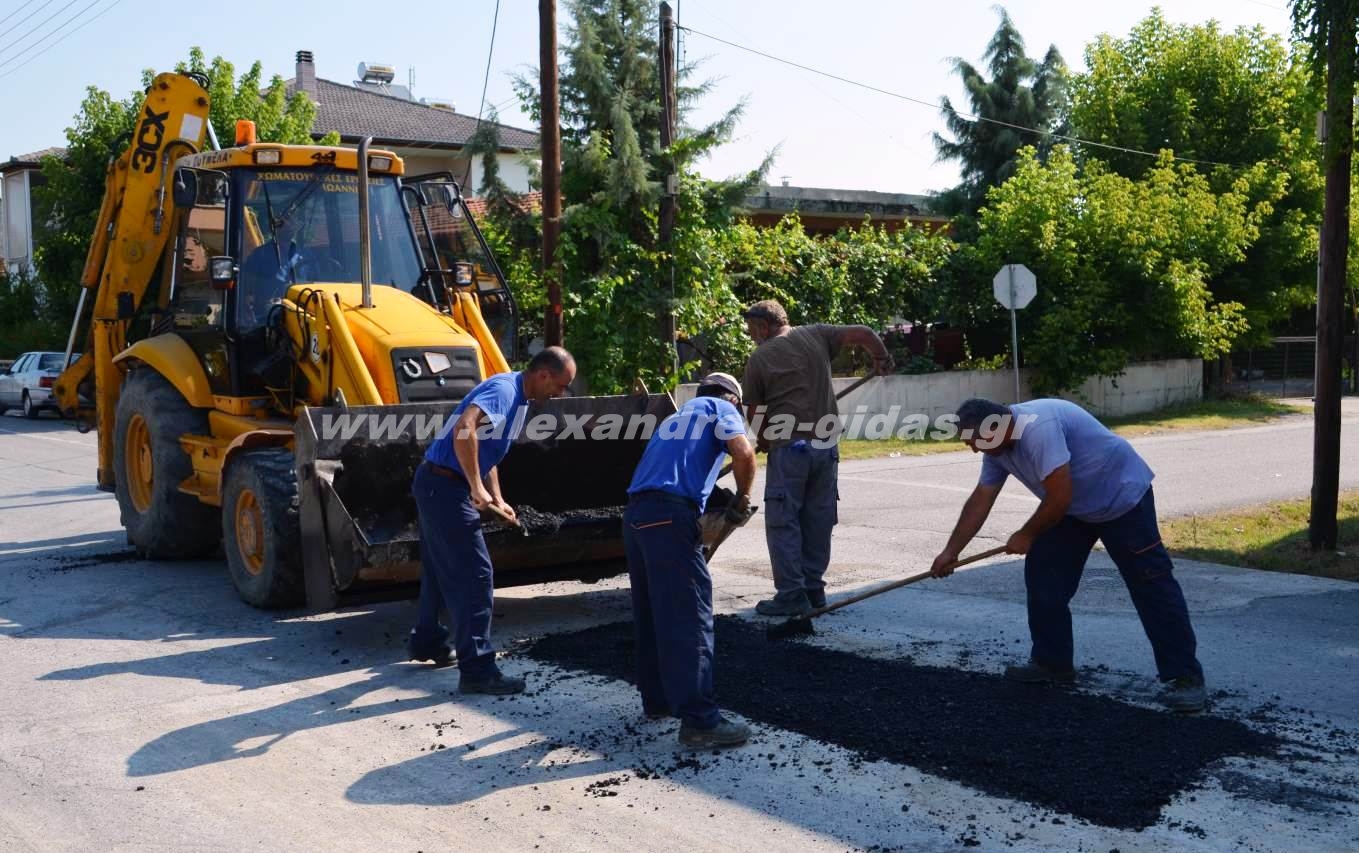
360 529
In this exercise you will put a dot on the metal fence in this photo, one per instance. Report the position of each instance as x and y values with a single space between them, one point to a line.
1286 367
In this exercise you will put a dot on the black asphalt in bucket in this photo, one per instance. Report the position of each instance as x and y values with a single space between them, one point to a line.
1089 756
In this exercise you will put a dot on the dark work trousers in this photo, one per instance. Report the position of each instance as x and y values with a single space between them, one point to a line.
1053 569
455 572
672 607
800 496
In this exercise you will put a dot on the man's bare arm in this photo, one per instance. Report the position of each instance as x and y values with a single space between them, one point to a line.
970 520
1056 502
465 448
867 339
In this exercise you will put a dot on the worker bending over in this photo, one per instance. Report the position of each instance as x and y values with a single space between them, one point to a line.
456 569
791 402
672 592
1093 485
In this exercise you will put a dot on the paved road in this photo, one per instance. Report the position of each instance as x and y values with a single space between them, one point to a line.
145 707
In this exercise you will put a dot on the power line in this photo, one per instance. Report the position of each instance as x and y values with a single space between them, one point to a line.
16 24
486 79
68 34
58 29
22 6
39 26
937 108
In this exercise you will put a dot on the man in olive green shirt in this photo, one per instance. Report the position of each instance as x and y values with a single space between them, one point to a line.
791 403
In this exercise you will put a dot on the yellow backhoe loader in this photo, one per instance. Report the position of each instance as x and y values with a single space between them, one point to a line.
274 333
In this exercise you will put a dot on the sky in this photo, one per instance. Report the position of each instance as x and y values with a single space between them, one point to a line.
826 133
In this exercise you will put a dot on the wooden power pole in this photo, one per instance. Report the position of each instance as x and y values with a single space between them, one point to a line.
552 168
1340 78
670 192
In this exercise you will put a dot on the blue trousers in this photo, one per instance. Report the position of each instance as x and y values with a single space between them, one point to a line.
1053 568
455 572
800 496
672 607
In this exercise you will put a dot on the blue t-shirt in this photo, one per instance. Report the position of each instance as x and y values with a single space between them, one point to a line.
1108 478
502 399
685 453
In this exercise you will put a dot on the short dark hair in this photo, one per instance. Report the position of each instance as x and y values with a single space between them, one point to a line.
719 392
769 311
552 359
973 413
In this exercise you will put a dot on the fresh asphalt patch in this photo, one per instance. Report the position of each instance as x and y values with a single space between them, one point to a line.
1089 756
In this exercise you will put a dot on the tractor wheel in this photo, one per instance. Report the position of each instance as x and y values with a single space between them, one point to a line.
149 464
261 533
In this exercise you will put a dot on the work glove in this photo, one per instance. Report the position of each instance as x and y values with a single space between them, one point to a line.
739 511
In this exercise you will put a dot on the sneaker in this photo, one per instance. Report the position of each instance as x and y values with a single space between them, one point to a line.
1033 673
774 607
725 733
816 598
1187 695
438 652
496 685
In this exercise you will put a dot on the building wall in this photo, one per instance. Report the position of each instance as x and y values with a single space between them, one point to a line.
420 161
1144 387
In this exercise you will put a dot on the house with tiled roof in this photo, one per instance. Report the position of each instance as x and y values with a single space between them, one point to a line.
825 211
19 176
430 136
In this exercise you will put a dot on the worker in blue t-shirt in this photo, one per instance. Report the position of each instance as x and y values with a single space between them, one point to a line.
672 592
1092 485
456 569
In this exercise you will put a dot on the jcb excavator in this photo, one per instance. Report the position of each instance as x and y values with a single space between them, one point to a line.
276 332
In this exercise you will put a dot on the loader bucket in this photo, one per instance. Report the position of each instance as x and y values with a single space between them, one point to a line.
360 528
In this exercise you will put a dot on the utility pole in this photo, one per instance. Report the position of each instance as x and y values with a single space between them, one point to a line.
1340 74
552 168
670 193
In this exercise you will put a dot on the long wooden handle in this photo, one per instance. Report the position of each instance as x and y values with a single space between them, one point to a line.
495 508
991 552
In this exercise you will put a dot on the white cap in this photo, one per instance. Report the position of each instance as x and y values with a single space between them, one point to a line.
725 381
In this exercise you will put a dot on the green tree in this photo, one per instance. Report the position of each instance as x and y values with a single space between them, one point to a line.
70 201
612 265
1235 100
1020 94
1124 265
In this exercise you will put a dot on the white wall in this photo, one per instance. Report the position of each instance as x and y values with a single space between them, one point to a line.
1143 387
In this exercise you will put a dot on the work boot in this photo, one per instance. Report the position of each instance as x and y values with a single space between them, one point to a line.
775 606
498 684
725 733
437 652
1185 695
816 598
1035 673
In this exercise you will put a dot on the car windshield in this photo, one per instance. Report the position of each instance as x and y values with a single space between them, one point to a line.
302 225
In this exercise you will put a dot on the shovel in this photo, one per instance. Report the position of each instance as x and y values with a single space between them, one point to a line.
801 626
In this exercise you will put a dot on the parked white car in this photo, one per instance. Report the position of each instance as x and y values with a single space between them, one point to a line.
27 384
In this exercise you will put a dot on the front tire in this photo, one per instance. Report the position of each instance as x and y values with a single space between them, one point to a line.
261 532
162 522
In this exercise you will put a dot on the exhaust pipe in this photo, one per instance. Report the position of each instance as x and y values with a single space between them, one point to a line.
365 247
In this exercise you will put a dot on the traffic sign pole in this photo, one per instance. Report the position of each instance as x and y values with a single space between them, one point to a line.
1014 332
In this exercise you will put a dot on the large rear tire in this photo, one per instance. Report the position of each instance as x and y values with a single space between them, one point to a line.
261 532
162 522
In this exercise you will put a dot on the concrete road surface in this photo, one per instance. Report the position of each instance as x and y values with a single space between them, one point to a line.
146 708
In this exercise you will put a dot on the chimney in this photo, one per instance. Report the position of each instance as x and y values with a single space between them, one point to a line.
306 74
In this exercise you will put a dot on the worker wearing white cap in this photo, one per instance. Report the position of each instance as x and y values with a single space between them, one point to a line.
672 592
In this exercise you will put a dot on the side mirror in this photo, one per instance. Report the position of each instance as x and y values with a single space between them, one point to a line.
222 271
185 190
